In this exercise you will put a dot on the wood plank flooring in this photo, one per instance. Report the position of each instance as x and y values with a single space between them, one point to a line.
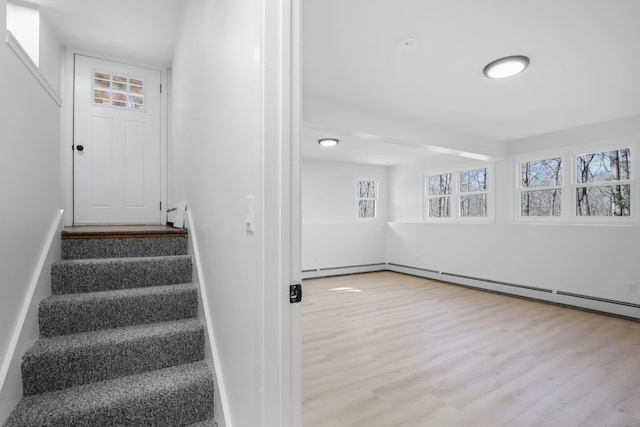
386 349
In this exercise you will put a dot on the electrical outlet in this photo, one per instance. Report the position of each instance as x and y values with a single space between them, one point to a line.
631 287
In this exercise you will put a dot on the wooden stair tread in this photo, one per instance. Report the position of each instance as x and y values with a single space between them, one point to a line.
121 231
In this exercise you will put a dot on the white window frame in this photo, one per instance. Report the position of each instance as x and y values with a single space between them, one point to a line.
569 156
376 199
635 202
427 197
23 23
456 194
486 192
33 66
565 201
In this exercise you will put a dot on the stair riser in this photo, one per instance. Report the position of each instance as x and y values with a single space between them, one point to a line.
100 275
123 247
70 367
61 317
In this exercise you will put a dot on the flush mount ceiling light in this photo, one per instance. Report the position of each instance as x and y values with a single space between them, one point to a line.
506 67
328 142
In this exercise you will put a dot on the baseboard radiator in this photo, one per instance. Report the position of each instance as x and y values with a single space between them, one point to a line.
343 270
588 302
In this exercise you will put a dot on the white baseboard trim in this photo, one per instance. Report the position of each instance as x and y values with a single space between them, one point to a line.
26 331
603 305
212 351
343 270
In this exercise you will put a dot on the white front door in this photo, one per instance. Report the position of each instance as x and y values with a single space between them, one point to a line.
116 165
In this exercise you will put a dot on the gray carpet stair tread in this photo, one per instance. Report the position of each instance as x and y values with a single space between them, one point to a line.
82 312
71 360
117 247
175 396
91 275
120 342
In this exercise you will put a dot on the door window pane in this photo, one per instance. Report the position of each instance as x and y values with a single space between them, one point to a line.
118 91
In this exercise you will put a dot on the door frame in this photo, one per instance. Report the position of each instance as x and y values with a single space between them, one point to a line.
67 80
281 386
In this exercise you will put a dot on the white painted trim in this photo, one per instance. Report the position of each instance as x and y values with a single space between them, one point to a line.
66 134
17 48
164 145
342 270
295 220
217 366
41 275
277 313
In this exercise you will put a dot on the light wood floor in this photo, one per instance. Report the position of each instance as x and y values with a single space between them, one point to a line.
385 349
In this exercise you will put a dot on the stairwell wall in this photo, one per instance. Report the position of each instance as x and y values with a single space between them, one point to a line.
215 164
29 187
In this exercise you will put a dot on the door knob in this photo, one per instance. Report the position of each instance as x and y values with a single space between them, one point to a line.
79 147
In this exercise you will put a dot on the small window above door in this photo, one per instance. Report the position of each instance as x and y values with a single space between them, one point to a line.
118 91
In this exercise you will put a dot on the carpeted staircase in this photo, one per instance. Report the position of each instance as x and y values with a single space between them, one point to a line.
120 343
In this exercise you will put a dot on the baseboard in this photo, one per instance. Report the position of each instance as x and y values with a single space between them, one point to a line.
586 302
27 331
602 305
211 351
343 270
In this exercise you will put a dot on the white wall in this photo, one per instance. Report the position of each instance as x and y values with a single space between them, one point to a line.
329 190
50 55
332 237
29 185
573 258
217 154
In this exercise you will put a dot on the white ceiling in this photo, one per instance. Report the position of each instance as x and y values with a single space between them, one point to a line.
142 29
585 68
389 105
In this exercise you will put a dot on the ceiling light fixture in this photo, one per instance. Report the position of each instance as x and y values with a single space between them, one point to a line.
506 67
328 142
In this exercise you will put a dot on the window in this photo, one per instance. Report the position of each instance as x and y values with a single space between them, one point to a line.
118 91
603 183
578 186
473 192
439 197
367 198
460 194
24 25
541 187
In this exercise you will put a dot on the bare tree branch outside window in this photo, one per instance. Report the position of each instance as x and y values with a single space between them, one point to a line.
367 193
604 183
473 192
439 198
541 187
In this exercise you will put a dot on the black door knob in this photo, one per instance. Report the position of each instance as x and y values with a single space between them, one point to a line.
79 147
